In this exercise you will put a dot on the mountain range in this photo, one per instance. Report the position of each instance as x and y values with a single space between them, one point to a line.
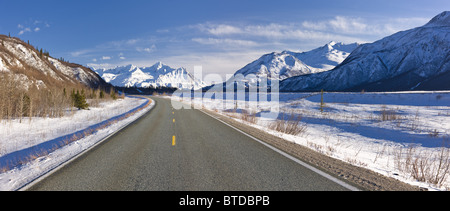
415 59
158 75
285 64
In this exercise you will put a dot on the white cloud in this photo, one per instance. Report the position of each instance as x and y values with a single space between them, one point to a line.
24 30
273 30
131 41
148 49
223 29
81 52
280 34
348 25
338 28
217 29
101 66
269 32
227 42
359 26
106 58
32 26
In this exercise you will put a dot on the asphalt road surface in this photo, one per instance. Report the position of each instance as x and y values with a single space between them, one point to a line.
183 150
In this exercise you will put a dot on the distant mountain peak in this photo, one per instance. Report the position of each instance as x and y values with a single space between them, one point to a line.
158 65
443 19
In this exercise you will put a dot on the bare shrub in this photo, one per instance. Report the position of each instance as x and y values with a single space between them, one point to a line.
429 167
292 125
420 168
387 115
440 172
249 117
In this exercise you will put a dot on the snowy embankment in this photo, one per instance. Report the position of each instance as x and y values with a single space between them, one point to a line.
404 135
35 146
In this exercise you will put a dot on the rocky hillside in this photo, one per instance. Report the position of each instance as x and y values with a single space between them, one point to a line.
34 68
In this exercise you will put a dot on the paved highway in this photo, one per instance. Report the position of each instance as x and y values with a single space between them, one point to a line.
183 150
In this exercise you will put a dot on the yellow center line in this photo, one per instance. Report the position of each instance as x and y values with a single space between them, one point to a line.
173 141
174 120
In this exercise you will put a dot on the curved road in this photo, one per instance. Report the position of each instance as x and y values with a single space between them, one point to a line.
183 150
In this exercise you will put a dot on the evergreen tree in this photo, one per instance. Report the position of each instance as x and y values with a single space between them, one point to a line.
79 100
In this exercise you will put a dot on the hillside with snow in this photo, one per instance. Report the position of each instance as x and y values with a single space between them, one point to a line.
33 68
415 59
158 75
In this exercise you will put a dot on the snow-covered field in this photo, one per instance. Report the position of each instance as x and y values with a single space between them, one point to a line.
405 135
34 146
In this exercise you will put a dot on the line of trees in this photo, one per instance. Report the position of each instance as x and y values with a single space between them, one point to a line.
17 102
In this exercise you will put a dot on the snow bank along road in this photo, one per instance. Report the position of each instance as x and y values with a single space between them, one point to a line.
181 150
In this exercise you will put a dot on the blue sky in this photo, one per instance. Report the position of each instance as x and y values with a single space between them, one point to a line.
222 36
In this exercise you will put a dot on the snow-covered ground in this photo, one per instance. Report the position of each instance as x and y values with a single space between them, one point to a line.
399 134
34 146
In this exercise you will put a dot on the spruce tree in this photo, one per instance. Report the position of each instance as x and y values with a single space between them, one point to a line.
79 100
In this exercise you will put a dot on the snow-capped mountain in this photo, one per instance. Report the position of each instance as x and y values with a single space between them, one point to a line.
38 69
414 59
327 57
158 75
288 64
279 66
